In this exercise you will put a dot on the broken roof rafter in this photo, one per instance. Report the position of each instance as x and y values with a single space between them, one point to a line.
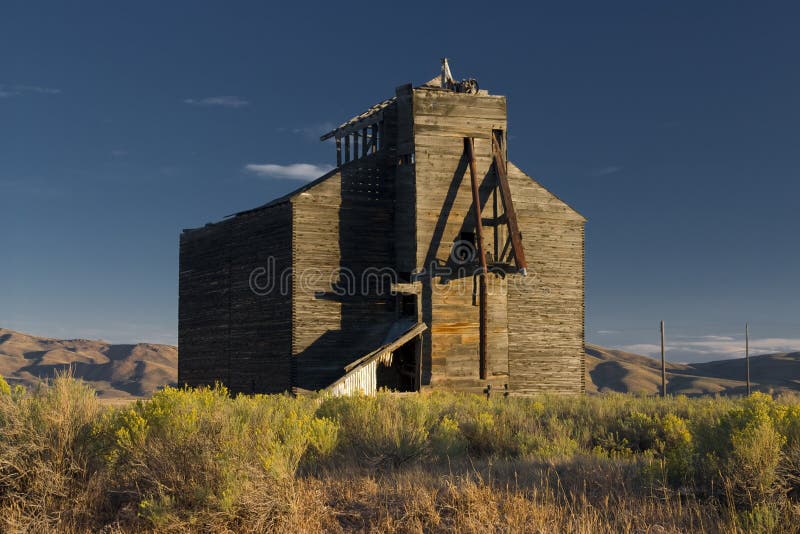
359 122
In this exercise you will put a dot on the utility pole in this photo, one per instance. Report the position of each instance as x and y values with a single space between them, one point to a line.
663 365
747 355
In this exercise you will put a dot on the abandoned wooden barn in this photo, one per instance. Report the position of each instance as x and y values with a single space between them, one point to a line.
425 259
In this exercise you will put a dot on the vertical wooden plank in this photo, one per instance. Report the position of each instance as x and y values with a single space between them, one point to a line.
338 152
374 145
346 148
355 145
469 149
418 363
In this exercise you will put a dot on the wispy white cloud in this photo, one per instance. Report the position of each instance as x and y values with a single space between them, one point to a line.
7 91
220 101
647 349
709 348
605 171
294 171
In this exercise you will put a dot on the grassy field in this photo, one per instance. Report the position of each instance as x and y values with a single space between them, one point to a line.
202 461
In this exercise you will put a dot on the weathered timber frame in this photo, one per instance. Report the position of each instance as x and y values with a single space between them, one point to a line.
469 150
508 203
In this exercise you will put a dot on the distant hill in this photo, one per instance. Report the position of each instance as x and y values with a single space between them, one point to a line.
115 371
615 370
132 371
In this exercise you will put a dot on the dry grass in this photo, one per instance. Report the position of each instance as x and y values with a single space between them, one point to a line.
200 461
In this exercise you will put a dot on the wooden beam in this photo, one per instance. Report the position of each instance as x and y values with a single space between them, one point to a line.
469 150
338 152
508 203
355 144
374 146
346 148
350 127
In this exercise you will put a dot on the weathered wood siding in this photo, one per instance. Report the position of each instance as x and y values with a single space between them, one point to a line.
261 325
546 309
227 332
342 231
444 209
204 305
405 234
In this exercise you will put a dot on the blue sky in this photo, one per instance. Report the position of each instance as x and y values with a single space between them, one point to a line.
673 126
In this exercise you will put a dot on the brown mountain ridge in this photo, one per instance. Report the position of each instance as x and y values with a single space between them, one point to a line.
119 371
115 371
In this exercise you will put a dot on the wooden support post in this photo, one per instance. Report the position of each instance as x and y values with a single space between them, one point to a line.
374 144
346 148
338 151
663 365
469 150
365 146
508 204
355 145
747 355
418 363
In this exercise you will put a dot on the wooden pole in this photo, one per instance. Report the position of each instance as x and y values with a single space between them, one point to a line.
747 355
469 149
663 365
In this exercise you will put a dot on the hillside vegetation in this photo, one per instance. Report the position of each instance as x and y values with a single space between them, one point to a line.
189 461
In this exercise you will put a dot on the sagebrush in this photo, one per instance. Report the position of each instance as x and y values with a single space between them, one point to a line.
201 460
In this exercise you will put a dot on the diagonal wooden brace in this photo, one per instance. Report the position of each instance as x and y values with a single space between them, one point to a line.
508 205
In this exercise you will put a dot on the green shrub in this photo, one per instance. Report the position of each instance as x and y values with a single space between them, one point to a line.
753 462
447 440
5 389
185 451
384 430
678 450
48 472
197 459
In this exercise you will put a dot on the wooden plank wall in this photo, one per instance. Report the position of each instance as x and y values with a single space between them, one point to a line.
228 333
441 120
345 222
546 309
405 242
203 305
260 333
